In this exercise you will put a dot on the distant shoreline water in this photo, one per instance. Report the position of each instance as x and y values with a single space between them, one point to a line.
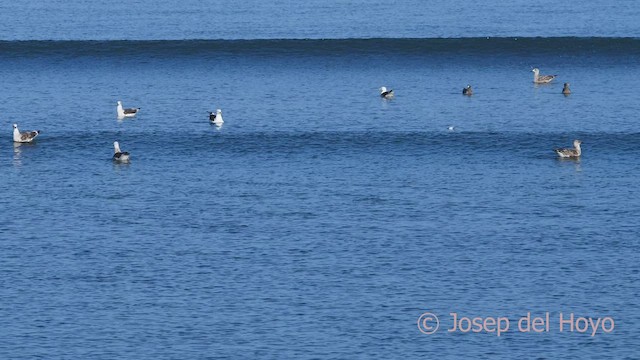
624 46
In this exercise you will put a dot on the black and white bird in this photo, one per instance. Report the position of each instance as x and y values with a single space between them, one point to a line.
570 153
24 137
467 91
384 93
541 79
216 118
118 155
123 113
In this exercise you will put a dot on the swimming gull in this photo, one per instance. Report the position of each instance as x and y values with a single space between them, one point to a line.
24 137
570 153
118 155
541 79
387 94
216 118
129 112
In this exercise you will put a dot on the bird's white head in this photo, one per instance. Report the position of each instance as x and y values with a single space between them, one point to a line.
116 147
120 110
577 142
383 89
535 70
218 120
15 126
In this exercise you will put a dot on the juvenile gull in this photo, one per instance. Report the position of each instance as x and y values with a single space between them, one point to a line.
542 79
387 94
129 112
565 89
570 153
24 137
118 155
216 118
467 91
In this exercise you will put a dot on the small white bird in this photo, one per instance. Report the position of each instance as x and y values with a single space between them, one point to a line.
570 153
118 155
216 118
541 79
123 113
384 93
24 137
451 128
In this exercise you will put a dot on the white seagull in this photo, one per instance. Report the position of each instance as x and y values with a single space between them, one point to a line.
570 153
216 118
118 155
123 113
541 79
384 93
24 137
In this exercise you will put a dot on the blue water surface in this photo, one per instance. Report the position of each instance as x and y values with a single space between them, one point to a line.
320 221
252 19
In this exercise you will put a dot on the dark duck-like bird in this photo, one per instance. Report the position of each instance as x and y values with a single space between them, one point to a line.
467 91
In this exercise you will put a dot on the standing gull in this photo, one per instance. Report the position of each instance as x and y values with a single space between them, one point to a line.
129 112
541 79
216 118
570 153
118 155
384 93
467 91
565 89
24 137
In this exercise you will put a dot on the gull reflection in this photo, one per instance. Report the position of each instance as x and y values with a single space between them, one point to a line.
17 154
574 161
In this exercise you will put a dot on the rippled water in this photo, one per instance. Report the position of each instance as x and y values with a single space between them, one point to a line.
217 19
319 221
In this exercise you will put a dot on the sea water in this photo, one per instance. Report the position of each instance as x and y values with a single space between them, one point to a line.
320 221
